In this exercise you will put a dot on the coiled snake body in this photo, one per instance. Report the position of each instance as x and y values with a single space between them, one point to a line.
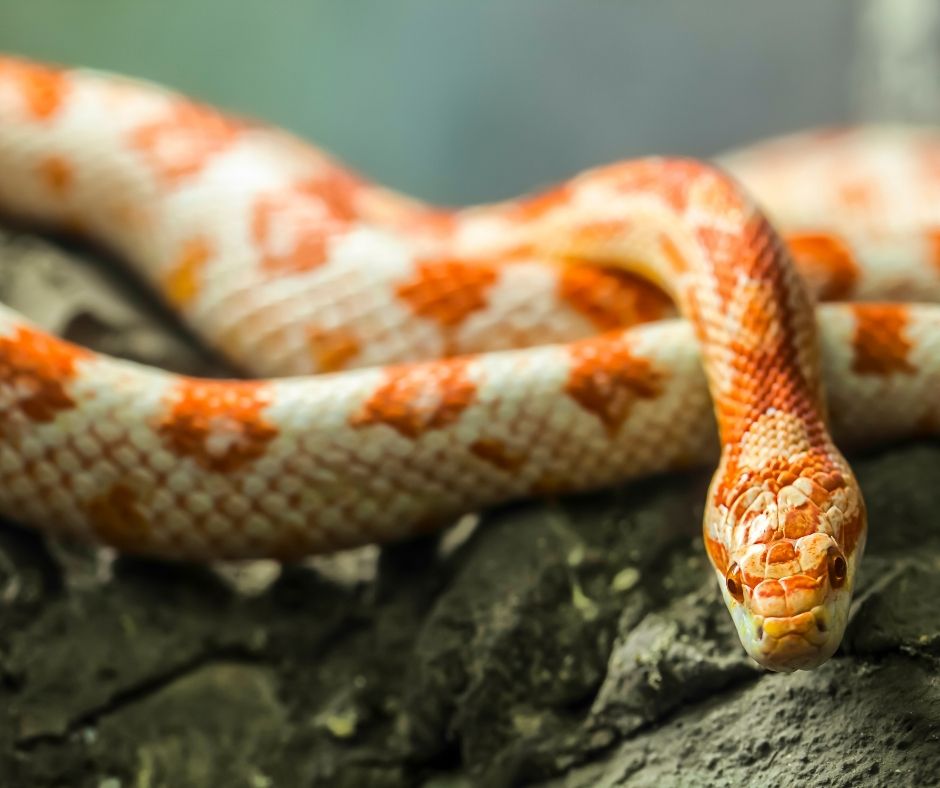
291 266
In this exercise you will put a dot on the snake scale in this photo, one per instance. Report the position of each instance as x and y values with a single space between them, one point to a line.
417 363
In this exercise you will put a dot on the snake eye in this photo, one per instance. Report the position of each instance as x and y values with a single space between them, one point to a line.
838 568
734 582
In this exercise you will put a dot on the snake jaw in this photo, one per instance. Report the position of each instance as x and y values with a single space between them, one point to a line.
800 639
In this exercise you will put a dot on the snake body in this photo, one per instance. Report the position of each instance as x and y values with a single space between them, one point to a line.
555 366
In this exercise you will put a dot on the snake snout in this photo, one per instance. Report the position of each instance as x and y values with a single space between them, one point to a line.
795 623
798 642
789 599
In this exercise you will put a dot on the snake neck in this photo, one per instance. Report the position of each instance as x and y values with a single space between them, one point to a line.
784 518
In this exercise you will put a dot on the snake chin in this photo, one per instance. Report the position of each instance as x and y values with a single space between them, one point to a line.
800 642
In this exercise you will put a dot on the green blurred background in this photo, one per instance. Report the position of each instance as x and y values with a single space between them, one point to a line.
466 101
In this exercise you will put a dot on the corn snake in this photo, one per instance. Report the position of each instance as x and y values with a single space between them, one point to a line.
292 266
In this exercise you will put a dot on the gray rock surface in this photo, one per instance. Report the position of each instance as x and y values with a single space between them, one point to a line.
576 643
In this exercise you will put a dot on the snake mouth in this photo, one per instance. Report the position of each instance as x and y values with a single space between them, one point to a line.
799 642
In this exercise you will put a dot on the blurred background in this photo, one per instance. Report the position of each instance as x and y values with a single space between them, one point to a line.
469 100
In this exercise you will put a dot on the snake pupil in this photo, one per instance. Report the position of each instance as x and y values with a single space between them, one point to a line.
838 569
733 581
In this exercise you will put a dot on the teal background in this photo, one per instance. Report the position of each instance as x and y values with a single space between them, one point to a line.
467 101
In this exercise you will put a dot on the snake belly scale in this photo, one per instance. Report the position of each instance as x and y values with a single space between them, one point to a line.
434 362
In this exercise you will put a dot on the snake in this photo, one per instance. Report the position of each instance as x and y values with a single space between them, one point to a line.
406 364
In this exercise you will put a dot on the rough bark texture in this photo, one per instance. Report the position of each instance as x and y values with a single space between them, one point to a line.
572 643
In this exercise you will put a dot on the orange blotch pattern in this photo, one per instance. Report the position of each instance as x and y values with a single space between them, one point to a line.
417 398
880 344
35 369
717 195
539 205
781 553
43 88
219 424
796 521
498 454
181 284
598 233
332 349
549 485
57 174
858 195
717 553
777 473
800 521
927 156
671 252
293 227
117 520
607 379
852 532
754 256
430 223
795 583
933 240
826 262
448 291
670 183
610 298
180 144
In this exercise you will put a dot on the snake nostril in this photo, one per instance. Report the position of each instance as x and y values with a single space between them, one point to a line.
760 632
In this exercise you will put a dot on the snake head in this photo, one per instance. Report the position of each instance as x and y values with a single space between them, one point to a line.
789 591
